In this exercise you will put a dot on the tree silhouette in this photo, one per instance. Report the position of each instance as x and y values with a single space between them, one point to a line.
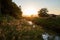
43 12
10 8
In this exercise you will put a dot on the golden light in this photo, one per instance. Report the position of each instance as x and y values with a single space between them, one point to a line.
30 22
29 11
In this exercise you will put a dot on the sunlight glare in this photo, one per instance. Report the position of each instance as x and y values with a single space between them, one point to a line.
29 11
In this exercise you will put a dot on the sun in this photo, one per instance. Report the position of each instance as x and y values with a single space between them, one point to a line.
29 11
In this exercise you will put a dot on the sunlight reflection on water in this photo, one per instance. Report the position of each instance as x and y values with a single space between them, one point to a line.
30 22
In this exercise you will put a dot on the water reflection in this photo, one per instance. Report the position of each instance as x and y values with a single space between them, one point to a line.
46 36
31 23
57 38
34 26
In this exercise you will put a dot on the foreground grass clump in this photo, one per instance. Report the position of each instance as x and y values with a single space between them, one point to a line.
11 33
10 29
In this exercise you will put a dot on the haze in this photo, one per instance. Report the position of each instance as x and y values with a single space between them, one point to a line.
52 5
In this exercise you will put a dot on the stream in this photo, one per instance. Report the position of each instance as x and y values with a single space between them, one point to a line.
45 35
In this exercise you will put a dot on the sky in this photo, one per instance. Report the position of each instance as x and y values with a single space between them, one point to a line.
53 6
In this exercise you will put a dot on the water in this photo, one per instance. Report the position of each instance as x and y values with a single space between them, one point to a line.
46 36
57 38
30 22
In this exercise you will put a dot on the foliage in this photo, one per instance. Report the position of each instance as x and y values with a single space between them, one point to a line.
43 12
49 23
10 8
9 31
13 29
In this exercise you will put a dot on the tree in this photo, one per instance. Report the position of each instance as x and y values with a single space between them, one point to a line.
10 8
43 12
